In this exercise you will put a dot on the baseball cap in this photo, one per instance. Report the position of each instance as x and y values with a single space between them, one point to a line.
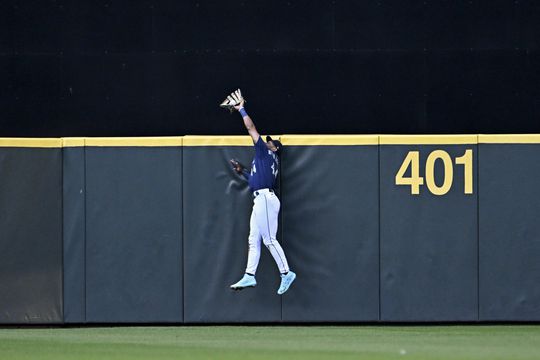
276 143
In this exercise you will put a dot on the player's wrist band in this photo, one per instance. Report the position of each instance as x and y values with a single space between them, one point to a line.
243 112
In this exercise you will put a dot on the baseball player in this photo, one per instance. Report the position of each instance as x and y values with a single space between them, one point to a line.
264 217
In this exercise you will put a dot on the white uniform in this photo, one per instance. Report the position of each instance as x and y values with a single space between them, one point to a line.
264 224
264 217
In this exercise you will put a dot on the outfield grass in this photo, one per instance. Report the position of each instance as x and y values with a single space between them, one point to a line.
273 342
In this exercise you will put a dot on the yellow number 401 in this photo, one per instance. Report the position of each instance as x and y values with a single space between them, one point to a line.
412 160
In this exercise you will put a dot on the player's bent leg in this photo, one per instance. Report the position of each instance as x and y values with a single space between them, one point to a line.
266 210
266 213
277 253
287 276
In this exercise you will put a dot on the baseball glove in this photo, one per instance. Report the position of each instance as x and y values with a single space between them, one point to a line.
239 168
232 100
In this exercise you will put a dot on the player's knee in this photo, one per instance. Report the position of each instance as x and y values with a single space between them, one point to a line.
268 241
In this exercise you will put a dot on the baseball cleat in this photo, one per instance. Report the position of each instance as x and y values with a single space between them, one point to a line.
246 281
286 281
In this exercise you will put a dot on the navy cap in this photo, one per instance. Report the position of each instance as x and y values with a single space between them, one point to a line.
276 143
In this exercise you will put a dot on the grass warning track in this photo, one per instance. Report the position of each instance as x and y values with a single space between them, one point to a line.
273 342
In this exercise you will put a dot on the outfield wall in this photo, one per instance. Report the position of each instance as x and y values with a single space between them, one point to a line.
378 228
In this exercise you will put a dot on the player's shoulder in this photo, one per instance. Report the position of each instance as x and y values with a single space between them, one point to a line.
260 145
259 141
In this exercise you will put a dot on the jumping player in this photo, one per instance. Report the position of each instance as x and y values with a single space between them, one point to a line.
264 217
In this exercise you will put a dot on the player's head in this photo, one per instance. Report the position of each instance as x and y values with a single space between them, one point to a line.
274 145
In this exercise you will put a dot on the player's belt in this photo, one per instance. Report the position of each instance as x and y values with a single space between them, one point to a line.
262 191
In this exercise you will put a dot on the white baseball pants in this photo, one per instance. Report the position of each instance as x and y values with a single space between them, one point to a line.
264 224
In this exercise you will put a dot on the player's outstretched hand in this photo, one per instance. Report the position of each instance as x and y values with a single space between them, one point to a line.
241 105
235 101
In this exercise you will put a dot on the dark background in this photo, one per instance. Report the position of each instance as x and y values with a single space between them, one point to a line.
134 68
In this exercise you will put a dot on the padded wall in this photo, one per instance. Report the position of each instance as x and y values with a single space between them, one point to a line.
509 232
134 234
30 235
330 212
429 243
144 230
74 227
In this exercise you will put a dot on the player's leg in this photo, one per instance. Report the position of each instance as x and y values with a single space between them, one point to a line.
267 211
266 214
254 250
254 254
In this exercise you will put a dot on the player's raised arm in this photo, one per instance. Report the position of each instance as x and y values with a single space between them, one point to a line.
250 126
236 101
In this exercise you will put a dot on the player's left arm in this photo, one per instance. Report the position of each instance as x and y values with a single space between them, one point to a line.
239 168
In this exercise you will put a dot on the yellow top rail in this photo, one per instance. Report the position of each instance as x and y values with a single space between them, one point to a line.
289 140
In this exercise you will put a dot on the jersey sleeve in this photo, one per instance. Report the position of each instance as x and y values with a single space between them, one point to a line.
260 147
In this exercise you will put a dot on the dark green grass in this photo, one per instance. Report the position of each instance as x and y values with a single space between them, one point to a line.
273 342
